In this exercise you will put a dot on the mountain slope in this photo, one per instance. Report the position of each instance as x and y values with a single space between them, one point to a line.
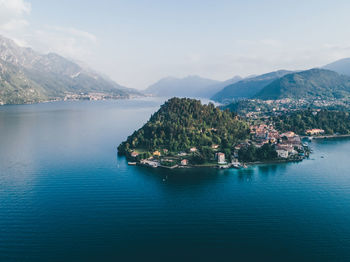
341 66
27 77
247 88
182 123
310 84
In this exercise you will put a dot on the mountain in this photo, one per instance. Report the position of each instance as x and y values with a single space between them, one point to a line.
341 66
191 86
28 77
248 87
310 84
183 123
213 89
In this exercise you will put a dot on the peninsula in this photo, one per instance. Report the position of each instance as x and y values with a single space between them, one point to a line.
185 133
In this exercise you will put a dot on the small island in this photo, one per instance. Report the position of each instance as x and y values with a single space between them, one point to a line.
184 133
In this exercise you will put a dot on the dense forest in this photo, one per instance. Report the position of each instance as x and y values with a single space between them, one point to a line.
182 123
331 122
251 153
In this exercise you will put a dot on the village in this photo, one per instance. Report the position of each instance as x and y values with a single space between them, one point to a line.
288 146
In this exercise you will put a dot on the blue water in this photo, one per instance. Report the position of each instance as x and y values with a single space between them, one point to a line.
66 196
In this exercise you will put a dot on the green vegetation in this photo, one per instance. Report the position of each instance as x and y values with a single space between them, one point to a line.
181 124
247 88
331 122
242 107
251 153
309 85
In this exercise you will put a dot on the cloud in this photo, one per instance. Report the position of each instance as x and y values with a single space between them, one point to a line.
12 12
67 41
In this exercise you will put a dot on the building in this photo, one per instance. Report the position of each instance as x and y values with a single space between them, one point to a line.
193 149
314 131
150 163
221 158
282 153
184 162
156 153
134 154
288 134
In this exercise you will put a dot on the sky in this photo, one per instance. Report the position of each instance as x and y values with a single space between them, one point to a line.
138 42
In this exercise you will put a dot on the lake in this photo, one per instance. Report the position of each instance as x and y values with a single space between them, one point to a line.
66 196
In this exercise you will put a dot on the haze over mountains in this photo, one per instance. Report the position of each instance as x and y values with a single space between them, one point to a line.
310 84
190 86
341 66
28 77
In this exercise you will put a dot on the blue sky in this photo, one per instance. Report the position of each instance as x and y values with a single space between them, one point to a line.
138 42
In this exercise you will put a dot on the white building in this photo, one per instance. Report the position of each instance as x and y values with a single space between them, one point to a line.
221 158
282 153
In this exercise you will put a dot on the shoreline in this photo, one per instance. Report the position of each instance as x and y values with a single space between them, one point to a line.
325 136
228 166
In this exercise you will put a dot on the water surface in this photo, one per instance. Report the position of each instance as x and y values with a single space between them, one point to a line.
66 196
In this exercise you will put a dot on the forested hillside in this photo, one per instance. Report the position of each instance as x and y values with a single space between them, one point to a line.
182 123
330 121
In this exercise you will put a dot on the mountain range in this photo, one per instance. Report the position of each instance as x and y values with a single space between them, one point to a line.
190 86
248 87
27 76
310 84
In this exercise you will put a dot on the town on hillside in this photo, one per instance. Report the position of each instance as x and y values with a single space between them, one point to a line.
264 138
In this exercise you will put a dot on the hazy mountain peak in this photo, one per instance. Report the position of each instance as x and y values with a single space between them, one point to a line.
341 66
189 86
34 77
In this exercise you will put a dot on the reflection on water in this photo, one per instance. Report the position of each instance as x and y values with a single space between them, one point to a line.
66 196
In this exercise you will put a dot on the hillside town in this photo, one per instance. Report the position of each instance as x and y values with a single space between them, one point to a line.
288 147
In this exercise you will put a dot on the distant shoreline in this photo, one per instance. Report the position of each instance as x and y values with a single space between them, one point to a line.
325 136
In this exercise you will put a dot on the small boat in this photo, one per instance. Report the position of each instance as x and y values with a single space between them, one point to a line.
132 163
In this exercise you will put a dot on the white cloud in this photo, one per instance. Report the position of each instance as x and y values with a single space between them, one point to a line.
66 41
69 42
12 12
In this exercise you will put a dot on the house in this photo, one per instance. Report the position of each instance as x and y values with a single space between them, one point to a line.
288 134
193 149
314 131
282 153
184 162
156 153
150 163
134 154
221 158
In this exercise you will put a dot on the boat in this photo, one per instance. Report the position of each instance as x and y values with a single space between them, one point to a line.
132 163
